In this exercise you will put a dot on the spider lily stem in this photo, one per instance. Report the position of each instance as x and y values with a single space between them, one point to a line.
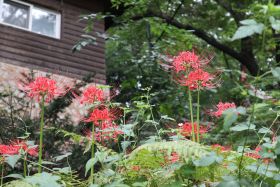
197 115
41 134
92 154
2 173
191 112
24 166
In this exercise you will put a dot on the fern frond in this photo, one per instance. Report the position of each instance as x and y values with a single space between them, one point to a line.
185 149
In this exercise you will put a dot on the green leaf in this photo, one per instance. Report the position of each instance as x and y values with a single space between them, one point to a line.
275 24
44 180
61 157
89 164
12 160
63 170
230 117
241 110
276 72
167 118
248 22
94 185
88 146
249 28
277 147
16 176
208 160
264 130
48 163
125 144
140 184
242 127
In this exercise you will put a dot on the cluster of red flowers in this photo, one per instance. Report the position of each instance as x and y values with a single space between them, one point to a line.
185 60
43 87
197 79
92 94
221 107
100 116
186 129
254 154
193 75
15 148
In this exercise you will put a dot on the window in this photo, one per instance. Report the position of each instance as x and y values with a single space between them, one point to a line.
26 16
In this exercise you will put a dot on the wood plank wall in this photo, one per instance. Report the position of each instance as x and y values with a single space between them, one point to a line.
27 49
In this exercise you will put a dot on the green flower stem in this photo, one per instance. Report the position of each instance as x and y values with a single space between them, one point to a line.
2 173
41 134
191 111
24 166
92 154
197 115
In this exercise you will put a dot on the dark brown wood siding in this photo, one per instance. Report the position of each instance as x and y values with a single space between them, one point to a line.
27 49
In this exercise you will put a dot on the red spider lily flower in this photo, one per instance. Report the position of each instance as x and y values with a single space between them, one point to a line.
198 79
31 150
254 154
174 157
221 107
185 60
92 94
220 147
43 87
9 150
98 116
135 168
186 129
15 148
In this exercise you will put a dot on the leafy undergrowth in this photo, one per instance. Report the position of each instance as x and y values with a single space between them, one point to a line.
121 146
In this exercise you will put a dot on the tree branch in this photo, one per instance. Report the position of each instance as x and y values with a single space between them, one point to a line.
246 60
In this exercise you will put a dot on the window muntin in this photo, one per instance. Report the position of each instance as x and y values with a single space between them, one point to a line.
26 16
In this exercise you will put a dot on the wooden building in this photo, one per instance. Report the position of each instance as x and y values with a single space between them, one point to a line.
40 34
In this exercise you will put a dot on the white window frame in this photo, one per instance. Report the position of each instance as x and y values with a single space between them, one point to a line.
57 24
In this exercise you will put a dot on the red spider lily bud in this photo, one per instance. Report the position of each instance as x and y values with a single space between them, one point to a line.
221 107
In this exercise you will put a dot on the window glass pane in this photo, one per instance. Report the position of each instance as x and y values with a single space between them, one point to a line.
43 22
15 13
